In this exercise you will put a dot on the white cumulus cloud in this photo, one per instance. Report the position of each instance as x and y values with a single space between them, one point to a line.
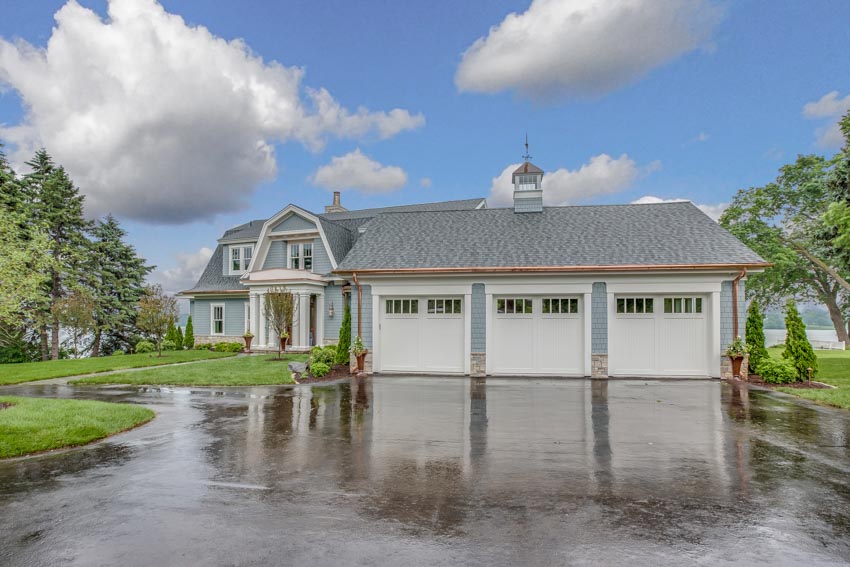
828 107
355 170
584 47
714 211
164 122
184 275
602 175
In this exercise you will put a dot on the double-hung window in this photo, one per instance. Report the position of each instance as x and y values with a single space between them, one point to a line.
240 258
301 256
217 319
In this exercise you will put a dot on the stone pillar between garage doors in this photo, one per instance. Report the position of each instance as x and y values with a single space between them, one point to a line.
599 366
478 364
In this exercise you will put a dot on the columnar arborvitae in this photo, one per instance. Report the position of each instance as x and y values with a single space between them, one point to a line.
798 349
344 337
179 337
189 335
171 334
755 336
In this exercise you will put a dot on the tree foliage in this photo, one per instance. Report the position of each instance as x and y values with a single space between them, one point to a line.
157 312
76 313
798 349
280 307
344 344
189 335
755 336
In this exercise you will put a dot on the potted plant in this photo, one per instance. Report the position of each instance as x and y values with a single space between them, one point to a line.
248 337
284 338
736 351
359 351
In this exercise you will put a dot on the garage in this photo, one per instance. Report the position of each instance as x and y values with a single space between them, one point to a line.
659 335
534 335
422 334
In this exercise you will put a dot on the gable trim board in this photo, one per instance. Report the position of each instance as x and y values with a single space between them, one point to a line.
259 257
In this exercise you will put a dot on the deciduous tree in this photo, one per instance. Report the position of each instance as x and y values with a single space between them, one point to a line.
156 313
280 307
76 313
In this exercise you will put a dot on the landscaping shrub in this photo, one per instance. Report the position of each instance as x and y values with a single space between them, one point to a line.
755 337
168 344
179 338
798 349
118 353
204 346
319 369
189 335
145 346
319 355
777 371
229 347
344 337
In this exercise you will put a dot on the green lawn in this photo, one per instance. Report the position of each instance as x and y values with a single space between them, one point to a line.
834 369
16 373
31 425
242 371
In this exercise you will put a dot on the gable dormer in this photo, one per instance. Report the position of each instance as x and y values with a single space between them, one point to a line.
293 239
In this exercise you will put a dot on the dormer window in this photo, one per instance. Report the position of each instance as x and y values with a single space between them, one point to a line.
240 258
301 256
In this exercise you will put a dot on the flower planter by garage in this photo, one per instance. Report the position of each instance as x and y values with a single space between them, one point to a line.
737 361
361 361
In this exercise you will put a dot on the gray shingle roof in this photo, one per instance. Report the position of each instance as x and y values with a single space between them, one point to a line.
460 205
245 231
213 279
606 235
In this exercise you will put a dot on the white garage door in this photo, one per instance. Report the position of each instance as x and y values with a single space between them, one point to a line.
421 334
538 336
659 336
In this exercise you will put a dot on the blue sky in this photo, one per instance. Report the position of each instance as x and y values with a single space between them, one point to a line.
616 108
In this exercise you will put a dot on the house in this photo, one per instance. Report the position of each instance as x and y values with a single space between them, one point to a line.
459 288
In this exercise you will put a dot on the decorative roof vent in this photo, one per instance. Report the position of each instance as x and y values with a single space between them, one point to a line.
528 186
336 207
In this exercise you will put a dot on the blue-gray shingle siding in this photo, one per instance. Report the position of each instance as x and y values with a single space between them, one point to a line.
599 318
726 313
234 315
321 260
333 296
276 257
293 222
478 315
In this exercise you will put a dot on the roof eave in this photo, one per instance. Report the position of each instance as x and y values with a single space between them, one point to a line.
562 269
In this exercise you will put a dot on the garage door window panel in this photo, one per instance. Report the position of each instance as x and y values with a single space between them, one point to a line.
402 306
682 305
443 306
635 305
514 306
560 306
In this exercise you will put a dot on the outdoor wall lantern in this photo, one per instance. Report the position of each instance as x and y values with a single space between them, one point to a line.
331 310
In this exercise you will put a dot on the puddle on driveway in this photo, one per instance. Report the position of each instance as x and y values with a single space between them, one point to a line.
434 470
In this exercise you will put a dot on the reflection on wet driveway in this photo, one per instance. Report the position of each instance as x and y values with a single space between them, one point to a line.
426 471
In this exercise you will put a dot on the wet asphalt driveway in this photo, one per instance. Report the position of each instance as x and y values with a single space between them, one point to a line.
425 471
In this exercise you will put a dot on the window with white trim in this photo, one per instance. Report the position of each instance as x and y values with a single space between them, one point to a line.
635 305
240 258
560 305
514 306
301 256
444 306
682 305
402 306
217 319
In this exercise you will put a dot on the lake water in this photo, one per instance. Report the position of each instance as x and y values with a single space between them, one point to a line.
777 336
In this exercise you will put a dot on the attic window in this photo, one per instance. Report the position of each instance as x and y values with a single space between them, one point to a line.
240 258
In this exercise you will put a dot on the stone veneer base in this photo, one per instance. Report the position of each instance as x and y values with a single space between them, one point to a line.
726 368
478 364
599 366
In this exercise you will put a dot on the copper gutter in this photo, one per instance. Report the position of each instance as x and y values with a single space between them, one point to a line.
562 269
735 333
359 305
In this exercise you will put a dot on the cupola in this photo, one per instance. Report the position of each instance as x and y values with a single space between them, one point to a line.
528 186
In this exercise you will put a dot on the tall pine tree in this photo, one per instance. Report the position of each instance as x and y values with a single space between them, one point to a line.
56 206
117 278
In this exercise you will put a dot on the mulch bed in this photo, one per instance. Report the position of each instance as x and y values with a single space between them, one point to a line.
4 405
755 379
338 372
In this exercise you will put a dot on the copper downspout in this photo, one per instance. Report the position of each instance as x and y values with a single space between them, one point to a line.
359 305
735 333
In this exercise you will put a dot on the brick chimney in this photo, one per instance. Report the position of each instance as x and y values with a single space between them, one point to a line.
336 207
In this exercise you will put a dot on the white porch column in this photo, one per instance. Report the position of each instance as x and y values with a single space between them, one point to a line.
320 319
253 315
304 319
261 320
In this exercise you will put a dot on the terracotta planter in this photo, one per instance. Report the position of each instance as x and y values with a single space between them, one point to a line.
283 341
736 365
248 343
361 361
